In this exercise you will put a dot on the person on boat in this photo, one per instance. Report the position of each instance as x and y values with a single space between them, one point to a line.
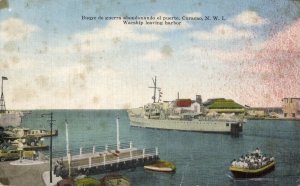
247 157
259 162
257 151
246 165
239 164
234 162
243 165
242 158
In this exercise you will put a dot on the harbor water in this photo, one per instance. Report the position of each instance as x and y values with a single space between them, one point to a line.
200 158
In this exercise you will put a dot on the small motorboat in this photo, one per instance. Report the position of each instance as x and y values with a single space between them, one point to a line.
42 133
252 165
161 166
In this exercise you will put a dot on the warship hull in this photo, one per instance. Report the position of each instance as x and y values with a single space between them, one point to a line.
213 126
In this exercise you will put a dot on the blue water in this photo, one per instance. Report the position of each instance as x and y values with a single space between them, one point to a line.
201 158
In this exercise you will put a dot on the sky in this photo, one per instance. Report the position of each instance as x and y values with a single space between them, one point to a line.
55 59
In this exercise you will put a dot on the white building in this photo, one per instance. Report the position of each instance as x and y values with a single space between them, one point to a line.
291 108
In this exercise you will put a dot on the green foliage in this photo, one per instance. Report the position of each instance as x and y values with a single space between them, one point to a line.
115 180
88 181
225 104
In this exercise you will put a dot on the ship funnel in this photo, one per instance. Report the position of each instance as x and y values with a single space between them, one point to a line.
199 99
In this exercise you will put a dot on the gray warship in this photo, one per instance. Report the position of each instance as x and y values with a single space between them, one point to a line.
183 115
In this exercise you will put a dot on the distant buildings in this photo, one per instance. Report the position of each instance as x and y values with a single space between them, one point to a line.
188 105
264 112
222 105
211 106
256 111
291 108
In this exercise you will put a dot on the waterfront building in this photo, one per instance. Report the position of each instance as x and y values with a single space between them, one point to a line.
222 105
187 105
262 112
291 108
256 111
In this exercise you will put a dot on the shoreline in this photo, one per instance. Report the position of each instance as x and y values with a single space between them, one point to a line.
280 119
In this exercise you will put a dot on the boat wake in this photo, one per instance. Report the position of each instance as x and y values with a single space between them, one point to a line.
251 179
229 176
182 177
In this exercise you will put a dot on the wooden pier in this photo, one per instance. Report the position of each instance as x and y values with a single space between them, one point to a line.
107 160
101 159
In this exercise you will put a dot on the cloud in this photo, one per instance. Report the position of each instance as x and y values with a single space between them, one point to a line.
154 55
222 32
249 18
62 86
280 54
14 29
193 14
271 71
286 41
234 56
102 39
222 55
277 66
116 31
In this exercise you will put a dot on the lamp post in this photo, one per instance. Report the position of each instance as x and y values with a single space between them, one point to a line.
51 123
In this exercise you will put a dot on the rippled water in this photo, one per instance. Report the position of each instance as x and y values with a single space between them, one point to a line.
201 158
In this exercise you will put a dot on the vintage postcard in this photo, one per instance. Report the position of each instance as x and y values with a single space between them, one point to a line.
149 92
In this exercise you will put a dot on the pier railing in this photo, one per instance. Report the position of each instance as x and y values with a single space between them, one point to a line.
91 149
95 156
110 158
101 159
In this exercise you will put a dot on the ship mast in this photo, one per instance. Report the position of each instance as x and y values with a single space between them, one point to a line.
159 90
2 101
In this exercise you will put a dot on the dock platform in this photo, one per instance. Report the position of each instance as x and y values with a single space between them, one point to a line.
108 160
